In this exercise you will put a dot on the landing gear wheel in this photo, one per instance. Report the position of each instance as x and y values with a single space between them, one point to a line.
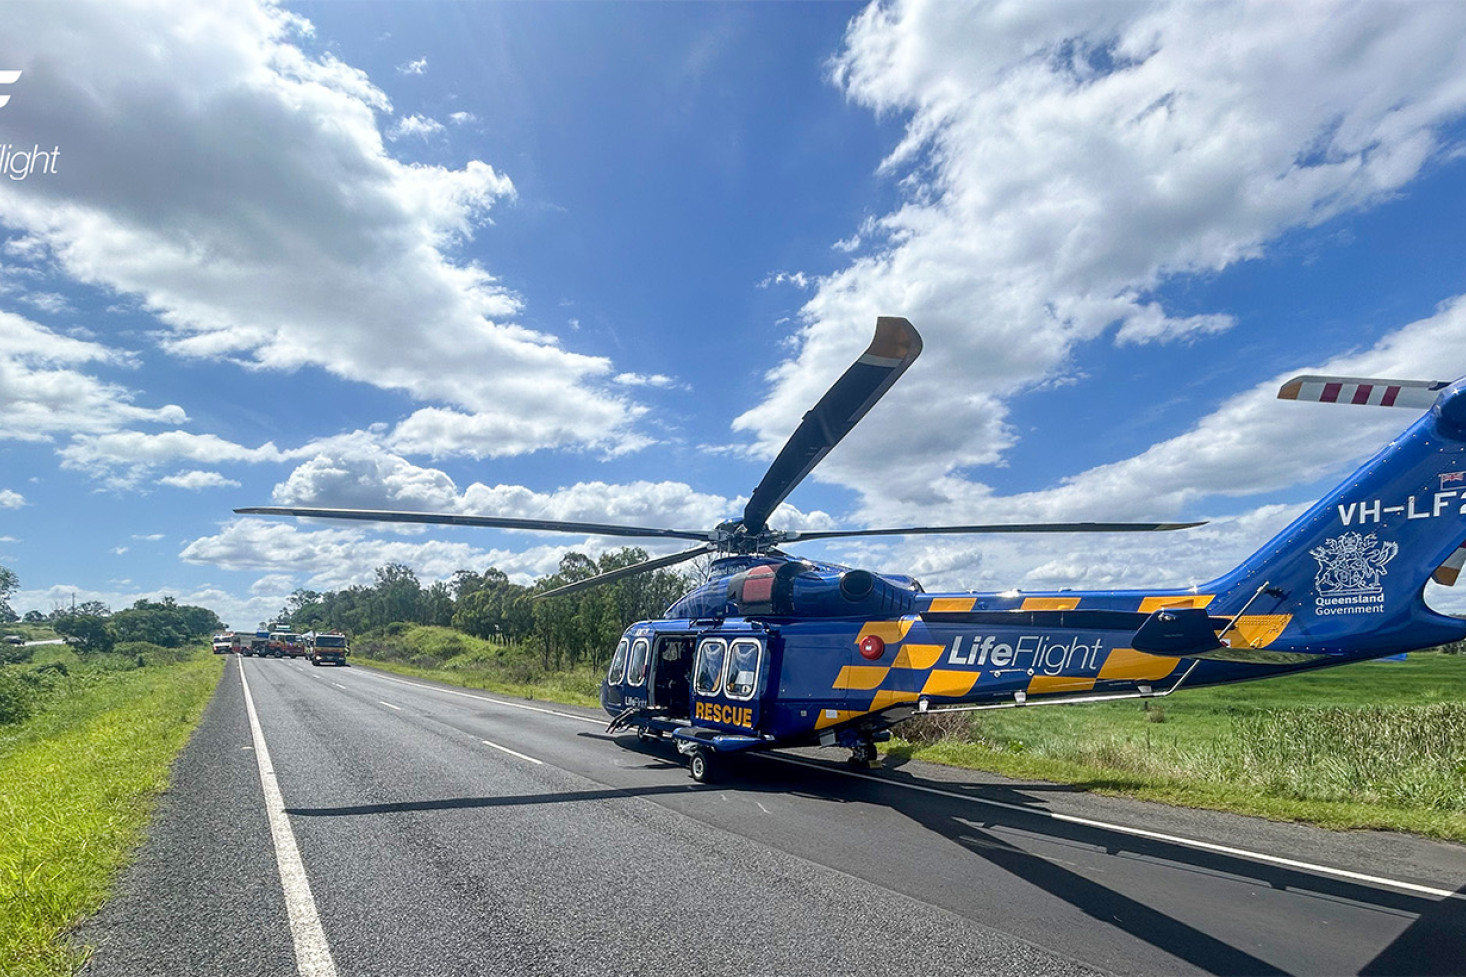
863 755
701 765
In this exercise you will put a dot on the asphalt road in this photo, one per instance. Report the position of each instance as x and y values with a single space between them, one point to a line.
447 832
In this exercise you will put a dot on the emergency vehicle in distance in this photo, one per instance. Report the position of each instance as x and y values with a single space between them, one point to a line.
330 648
229 642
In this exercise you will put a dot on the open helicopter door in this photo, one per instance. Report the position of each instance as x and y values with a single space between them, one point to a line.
729 673
670 684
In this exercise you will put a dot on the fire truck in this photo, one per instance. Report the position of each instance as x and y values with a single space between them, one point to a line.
331 647
285 643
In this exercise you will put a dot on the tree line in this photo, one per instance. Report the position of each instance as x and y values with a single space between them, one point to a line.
565 631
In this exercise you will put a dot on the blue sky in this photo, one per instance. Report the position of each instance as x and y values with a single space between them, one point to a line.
593 261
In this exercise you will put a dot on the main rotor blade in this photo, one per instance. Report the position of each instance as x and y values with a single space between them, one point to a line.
1018 527
895 347
451 519
642 567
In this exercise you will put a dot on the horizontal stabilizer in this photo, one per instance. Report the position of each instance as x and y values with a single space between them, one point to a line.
1416 394
1179 631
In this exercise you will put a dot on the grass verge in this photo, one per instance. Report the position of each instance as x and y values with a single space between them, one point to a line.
446 655
1377 745
77 783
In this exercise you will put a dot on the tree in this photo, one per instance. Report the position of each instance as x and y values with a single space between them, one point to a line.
164 622
87 633
397 596
9 584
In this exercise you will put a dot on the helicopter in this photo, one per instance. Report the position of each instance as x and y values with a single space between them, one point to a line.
772 650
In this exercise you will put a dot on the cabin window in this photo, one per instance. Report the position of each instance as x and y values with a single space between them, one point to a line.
743 663
636 666
618 664
708 672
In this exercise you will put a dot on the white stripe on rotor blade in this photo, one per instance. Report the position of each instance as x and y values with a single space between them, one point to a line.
312 952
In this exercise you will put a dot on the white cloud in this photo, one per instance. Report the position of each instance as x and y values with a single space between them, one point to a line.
415 126
418 67
1061 162
196 480
274 585
462 118
334 559
645 380
310 245
125 458
42 393
355 472
10 499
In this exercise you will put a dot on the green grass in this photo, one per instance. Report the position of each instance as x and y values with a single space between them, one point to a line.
1377 745
452 656
77 784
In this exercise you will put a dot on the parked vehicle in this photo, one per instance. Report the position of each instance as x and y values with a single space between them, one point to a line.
286 644
329 648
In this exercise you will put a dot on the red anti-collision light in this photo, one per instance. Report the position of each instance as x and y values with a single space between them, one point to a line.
872 647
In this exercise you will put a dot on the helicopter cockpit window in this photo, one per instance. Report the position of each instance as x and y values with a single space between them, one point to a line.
618 664
708 671
743 662
636 666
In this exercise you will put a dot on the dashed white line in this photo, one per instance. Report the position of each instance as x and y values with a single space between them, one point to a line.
312 952
338 685
505 749
485 698
1255 856
390 706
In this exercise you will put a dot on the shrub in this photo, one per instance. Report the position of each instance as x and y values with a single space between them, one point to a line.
16 699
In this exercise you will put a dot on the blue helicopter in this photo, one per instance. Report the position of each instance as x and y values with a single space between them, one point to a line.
772 650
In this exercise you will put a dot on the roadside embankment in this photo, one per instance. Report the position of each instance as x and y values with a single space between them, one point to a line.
86 745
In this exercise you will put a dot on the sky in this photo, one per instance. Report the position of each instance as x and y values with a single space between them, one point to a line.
593 261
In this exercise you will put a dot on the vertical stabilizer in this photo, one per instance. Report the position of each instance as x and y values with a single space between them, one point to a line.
1351 571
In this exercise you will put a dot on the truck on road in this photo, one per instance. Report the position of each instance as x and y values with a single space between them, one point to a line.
331 647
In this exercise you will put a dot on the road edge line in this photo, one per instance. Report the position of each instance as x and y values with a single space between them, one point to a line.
312 952
1255 856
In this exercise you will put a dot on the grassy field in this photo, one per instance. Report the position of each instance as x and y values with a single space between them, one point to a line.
452 656
78 777
1377 745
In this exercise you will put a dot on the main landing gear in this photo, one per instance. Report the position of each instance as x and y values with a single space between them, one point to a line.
700 764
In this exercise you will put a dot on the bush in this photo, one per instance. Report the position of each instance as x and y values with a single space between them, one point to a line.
15 654
935 727
16 699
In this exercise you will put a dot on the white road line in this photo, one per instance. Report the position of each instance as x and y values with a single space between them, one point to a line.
1142 833
505 749
390 706
312 952
485 698
338 685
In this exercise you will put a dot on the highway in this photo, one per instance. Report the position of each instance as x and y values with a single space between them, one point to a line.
453 832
